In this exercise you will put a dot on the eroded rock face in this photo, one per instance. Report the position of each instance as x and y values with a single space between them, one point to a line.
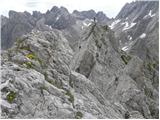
43 77
37 82
120 77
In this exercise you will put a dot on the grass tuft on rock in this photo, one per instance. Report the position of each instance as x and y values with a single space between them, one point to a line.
31 56
78 115
28 65
11 96
126 58
71 97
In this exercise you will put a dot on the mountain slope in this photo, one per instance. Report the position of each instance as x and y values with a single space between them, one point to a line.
136 26
69 66
38 83
43 78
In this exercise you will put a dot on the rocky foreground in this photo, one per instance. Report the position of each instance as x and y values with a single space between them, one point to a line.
42 77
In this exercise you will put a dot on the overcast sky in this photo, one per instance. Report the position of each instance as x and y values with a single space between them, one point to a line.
109 7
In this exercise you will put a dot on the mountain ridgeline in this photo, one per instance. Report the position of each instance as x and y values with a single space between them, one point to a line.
20 23
81 65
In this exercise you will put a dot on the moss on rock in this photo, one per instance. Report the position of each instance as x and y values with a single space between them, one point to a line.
71 97
78 115
126 58
11 96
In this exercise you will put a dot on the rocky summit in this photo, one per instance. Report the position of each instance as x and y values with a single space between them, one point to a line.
70 66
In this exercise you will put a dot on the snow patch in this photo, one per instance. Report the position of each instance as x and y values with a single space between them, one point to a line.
114 23
125 48
128 45
57 18
85 24
129 37
143 35
127 26
49 26
82 27
149 15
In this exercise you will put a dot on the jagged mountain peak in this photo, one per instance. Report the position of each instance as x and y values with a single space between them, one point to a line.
20 23
64 65
138 9
91 14
134 26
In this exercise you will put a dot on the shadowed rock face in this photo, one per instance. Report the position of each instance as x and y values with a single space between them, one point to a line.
15 26
80 71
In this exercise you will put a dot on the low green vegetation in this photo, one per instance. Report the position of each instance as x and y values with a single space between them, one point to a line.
28 65
71 97
31 56
151 66
78 115
126 58
11 96
148 92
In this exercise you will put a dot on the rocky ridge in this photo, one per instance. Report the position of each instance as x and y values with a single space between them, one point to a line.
82 69
43 78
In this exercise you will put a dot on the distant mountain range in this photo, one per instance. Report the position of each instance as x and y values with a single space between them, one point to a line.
20 23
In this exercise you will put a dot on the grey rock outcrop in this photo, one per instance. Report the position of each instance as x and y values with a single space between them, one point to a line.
37 82
103 64
43 78
79 69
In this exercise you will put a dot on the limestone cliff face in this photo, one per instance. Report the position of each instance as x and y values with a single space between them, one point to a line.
122 78
62 65
37 82
42 77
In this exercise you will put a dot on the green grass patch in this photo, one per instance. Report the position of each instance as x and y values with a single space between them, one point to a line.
126 58
78 115
71 97
28 65
11 96
31 56
151 66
